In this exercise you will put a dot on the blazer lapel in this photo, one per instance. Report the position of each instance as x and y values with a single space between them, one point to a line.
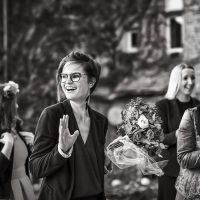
96 128
67 110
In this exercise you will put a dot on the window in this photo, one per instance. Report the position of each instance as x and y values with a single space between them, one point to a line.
134 39
174 34
129 42
174 29
173 5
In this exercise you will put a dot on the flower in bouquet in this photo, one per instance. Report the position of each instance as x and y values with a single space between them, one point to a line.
142 124
140 139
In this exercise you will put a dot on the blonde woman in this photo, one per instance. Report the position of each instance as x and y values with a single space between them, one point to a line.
171 109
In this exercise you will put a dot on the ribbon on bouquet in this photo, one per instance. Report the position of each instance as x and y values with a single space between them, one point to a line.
123 153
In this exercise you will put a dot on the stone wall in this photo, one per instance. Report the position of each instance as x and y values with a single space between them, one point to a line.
191 40
191 30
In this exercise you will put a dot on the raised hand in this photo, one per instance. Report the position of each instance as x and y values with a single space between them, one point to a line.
7 138
66 139
28 136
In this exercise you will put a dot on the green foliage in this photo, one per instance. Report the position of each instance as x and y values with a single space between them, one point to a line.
41 32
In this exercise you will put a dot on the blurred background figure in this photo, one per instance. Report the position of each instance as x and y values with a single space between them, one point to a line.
15 147
188 150
171 108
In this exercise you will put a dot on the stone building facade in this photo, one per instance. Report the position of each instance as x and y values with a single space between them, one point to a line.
191 43
191 30
167 35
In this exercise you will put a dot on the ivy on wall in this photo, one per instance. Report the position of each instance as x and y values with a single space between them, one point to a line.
41 32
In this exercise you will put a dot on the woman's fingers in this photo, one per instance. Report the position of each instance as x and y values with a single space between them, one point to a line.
66 121
60 127
3 137
65 125
64 135
63 128
29 139
2 140
63 122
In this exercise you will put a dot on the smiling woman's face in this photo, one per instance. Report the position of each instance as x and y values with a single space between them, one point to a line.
75 90
187 81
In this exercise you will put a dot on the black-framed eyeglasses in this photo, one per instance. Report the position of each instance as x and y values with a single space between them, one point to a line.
75 77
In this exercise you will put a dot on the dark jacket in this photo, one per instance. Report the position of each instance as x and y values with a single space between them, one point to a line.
187 153
5 175
45 161
6 166
171 117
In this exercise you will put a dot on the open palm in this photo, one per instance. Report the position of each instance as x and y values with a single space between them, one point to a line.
66 139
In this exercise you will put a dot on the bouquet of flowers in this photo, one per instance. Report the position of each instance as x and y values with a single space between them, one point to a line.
140 139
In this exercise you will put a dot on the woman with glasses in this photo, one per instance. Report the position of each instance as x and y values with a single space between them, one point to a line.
171 108
70 136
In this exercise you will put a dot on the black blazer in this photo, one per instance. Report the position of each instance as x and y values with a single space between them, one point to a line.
171 116
45 161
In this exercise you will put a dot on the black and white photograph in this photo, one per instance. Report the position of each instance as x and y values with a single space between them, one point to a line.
100 100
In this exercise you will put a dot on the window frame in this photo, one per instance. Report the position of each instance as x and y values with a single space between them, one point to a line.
126 41
170 49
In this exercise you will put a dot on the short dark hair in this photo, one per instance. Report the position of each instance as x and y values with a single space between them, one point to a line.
92 69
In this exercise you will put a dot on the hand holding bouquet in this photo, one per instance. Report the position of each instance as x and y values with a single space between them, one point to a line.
140 139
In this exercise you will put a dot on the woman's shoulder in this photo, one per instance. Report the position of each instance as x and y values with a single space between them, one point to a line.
54 109
164 102
51 114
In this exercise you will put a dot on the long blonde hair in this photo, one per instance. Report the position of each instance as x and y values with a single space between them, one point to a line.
175 80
